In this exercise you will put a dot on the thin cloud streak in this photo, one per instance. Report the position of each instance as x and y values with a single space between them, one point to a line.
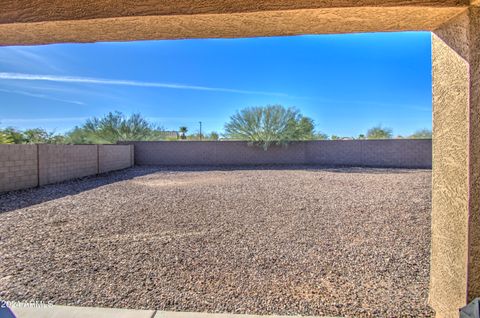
11 121
102 81
24 57
41 96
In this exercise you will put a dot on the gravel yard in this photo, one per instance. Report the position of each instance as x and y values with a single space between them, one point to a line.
290 240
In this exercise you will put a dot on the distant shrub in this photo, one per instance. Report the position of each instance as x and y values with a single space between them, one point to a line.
422 134
267 125
4 139
379 132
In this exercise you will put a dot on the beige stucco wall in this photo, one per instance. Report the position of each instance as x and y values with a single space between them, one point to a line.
455 265
45 10
44 21
474 158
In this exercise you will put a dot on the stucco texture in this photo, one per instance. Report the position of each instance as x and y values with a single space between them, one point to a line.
474 162
42 21
48 10
455 269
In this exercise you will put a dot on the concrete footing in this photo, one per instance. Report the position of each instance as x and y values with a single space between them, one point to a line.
21 311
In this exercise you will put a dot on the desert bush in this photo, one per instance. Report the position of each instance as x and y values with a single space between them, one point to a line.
267 125
422 134
379 132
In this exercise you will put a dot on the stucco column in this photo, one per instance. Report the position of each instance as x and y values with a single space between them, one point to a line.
455 257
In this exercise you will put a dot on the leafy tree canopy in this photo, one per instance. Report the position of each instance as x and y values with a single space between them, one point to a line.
5 139
15 136
321 136
29 136
422 134
272 124
379 132
183 132
213 136
114 127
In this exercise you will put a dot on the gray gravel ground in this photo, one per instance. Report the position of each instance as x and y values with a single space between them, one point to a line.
294 240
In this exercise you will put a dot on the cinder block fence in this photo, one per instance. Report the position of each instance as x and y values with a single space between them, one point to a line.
26 166
395 153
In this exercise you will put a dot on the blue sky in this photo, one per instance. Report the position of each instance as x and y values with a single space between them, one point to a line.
346 83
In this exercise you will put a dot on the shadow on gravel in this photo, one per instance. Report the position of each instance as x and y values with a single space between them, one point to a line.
19 199
338 168
371 170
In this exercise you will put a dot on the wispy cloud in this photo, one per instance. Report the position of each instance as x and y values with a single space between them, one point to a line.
41 96
20 57
10 121
102 81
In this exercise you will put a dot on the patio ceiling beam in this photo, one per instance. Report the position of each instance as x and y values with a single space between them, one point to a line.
27 22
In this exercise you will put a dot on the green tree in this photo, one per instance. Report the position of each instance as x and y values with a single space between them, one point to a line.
305 128
422 134
14 135
40 136
213 136
321 136
4 138
57 139
80 136
159 133
112 128
379 132
272 124
183 132
30 136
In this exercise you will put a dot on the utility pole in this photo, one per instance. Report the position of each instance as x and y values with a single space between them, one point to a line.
200 129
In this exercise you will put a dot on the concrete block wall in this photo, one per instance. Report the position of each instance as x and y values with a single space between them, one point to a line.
397 153
335 152
400 153
186 153
114 157
63 162
26 166
241 153
18 167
